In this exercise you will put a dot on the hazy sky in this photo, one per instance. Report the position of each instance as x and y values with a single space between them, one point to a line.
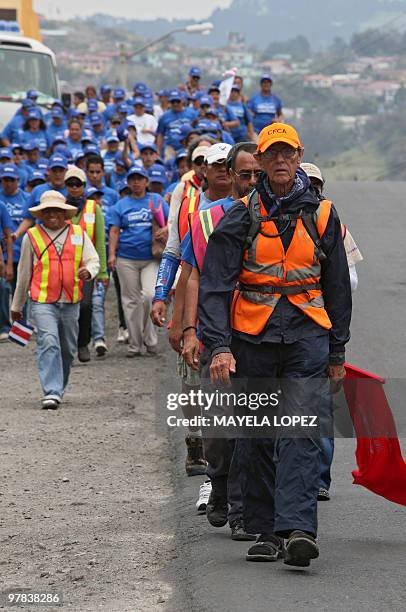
141 9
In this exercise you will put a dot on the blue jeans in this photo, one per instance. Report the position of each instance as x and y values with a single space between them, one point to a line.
57 338
98 299
4 306
326 459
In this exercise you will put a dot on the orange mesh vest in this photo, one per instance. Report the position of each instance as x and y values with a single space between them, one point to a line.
87 219
189 205
268 273
55 272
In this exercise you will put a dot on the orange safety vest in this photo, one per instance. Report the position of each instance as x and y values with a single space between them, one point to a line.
55 272
189 205
202 224
87 219
268 273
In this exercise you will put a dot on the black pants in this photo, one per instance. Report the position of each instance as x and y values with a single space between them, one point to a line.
121 317
280 477
85 317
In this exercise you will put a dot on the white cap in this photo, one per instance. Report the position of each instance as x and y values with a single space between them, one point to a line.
75 172
312 171
200 152
217 152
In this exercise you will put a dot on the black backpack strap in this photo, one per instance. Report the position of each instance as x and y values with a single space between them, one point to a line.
309 222
254 209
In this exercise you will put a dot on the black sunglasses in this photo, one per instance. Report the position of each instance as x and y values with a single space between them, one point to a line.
74 183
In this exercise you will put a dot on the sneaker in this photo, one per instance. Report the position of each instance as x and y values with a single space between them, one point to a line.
217 509
3 336
50 404
266 548
131 354
195 463
204 494
238 532
301 547
121 336
152 351
83 354
323 495
100 348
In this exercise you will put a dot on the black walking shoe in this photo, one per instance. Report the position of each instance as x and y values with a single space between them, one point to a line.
267 548
217 509
238 532
83 354
301 547
323 495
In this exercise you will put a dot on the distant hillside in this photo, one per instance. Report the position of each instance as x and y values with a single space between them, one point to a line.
264 21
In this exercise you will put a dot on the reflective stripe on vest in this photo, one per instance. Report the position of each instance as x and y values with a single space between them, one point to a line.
189 205
266 264
202 224
55 273
87 219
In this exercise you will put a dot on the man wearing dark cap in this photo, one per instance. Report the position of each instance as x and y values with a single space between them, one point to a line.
265 107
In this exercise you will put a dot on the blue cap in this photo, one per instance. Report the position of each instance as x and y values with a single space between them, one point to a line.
111 136
78 154
92 105
215 86
32 94
58 161
10 171
212 111
122 107
206 100
27 103
87 138
6 152
137 170
43 163
31 145
140 87
16 145
91 148
157 174
96 119
174 94
90 191
34 113
57 113
105 88
138 100
266 77
181 154
162 93
149 145
122 185
61 149
57 103
118 159
37 175
204 126
149 106
195 72
118 93
59 138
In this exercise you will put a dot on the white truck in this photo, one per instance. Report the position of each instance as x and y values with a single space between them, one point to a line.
25 64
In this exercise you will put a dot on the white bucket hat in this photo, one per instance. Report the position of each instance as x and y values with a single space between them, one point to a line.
53 199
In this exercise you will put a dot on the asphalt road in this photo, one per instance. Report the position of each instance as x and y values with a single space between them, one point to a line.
362 564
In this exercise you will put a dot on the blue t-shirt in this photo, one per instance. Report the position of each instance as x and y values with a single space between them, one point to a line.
55 130
170 126
5 221
186 247
134 218
73 146
25 136
35 196
265 109
15 206
242 113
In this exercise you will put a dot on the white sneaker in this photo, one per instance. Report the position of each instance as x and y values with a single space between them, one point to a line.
100 348
122 335
3 337
204 494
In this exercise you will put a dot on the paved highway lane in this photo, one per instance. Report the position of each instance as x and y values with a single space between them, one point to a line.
362 564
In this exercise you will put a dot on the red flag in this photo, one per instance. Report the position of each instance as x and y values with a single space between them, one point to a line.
381 467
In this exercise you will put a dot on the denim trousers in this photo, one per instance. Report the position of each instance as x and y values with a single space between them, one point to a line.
98 299
57 337
4 306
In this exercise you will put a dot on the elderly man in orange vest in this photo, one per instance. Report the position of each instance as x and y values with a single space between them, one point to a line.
56 258
275 310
